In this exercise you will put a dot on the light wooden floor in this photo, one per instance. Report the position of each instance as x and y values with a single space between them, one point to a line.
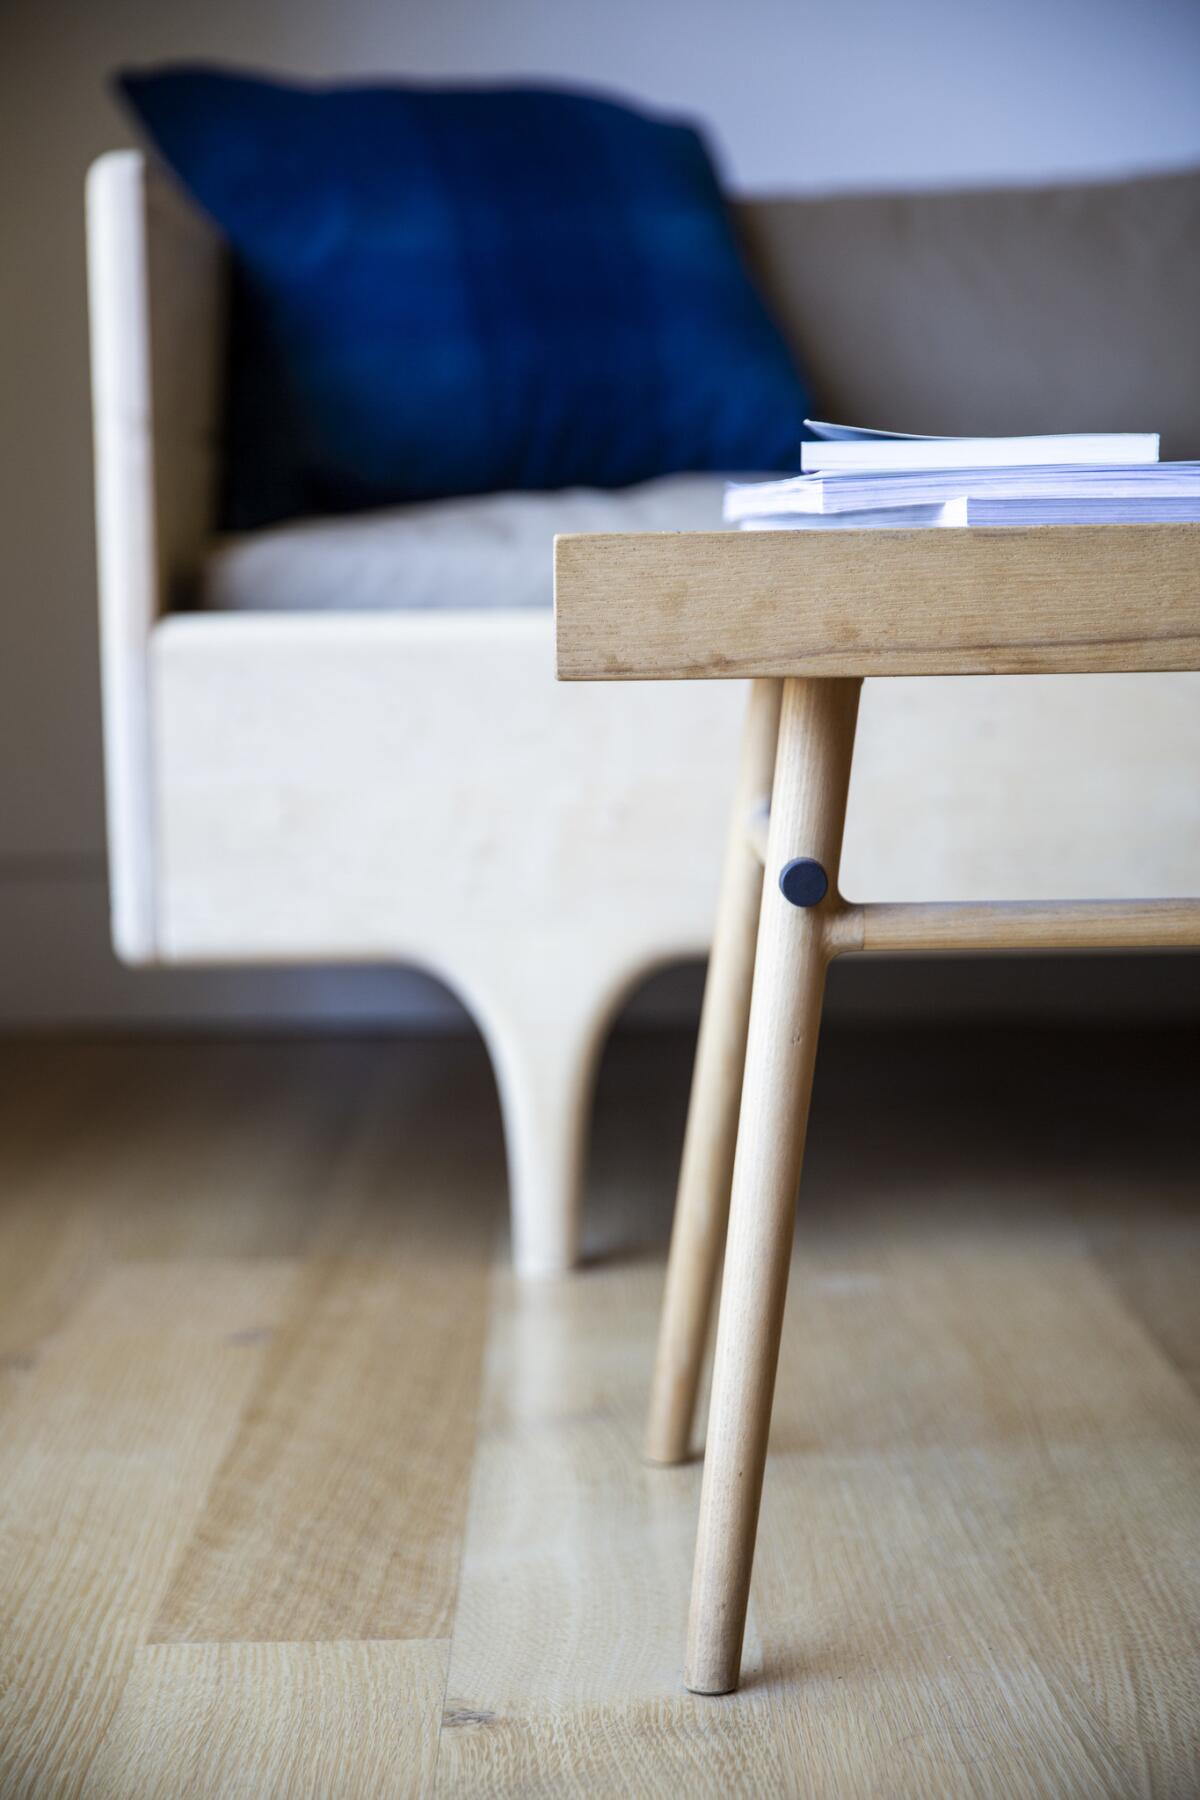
301 1495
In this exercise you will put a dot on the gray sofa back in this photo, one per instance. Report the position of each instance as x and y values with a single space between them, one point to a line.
1024 310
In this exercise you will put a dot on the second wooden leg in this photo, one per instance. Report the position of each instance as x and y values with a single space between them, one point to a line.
702 1203
812 770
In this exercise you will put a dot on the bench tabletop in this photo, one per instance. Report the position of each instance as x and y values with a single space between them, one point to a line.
1061 599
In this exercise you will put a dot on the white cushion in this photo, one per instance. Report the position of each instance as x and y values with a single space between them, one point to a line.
492 550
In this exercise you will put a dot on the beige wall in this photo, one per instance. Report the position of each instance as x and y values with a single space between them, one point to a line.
868 93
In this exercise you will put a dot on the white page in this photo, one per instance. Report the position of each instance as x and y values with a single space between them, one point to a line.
853 491
1149 509
877 518
859 434
848 491
878 451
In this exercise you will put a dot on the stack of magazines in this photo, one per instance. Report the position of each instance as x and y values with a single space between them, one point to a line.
854 479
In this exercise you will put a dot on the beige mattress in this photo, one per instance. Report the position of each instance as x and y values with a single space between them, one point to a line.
490 550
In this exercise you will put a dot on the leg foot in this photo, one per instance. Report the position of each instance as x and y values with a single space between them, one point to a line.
545 1067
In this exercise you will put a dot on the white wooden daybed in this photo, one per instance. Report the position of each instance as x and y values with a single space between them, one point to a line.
305 767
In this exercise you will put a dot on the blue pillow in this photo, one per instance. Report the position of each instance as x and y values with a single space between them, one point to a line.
443 291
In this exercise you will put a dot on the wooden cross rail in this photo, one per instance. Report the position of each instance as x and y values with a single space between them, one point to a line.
1023 925
995 924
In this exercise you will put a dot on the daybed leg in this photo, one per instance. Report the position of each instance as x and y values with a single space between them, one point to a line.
545 1068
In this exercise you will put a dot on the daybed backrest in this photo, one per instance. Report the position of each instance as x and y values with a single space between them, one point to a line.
1036 309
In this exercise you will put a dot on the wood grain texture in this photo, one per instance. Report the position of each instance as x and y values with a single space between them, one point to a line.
338 1510
118 1425
1023 925
976 1569
48 1253
808 812
275 1722
706 1167
174 1156
1159 1281
565 1673
973 1575
956 1535
697 605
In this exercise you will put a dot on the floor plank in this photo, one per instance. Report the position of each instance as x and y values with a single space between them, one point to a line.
977 1462
1158 1278
275 1722
338 1512
567 1651
105 1458
299 1486
124 1151
980 1471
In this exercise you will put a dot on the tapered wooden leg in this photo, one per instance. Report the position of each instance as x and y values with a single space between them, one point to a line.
808 803
702 1203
